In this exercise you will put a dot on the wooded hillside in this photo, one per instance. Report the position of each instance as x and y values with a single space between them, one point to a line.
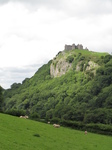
81 91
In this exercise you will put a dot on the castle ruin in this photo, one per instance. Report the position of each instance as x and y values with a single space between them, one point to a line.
73 46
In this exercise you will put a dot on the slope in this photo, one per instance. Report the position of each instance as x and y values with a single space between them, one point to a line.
17 133
79 91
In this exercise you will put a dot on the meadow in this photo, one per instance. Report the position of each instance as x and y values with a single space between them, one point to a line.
25 134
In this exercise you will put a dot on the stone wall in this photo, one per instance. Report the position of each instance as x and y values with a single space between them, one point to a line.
73 46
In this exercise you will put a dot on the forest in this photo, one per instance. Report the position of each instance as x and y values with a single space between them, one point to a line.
80 98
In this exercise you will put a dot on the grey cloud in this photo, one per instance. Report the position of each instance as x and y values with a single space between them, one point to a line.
101 6
30 1
34 2
4 1
73 8
10 75
34 5
90 8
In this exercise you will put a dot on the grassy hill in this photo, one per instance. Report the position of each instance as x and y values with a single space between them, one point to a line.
17 133
73 87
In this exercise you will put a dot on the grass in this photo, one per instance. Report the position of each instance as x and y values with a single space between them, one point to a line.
87 55
24 134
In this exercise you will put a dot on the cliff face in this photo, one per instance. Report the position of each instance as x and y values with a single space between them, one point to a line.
58 68
62 63
92 65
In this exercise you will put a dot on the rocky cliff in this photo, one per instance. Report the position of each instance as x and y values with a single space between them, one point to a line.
61 64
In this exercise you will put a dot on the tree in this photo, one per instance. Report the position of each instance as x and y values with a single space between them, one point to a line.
1 97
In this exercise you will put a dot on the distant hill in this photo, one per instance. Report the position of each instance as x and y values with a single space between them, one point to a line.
76 85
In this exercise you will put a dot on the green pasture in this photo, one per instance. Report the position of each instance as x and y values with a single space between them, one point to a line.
24 134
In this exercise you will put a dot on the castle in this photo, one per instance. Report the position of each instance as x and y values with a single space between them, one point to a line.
73 46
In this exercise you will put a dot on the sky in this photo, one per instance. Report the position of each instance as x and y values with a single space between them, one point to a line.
32 32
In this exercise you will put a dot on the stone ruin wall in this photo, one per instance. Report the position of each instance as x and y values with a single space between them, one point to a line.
73 46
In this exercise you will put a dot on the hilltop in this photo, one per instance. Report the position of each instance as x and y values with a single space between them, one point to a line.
76 85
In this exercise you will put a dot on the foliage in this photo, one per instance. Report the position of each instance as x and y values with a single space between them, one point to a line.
70 59
1 97
34 116
16 112
79 95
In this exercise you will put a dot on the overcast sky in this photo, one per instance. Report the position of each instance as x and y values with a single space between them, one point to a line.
32 32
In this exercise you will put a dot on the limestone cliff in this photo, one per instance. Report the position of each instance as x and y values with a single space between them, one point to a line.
61 64
60 67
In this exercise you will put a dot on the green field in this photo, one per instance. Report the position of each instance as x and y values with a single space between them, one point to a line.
24 134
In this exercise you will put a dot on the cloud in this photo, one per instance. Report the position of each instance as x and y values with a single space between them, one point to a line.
36 3
87 8
75 8
71 7
10 75
73 20
32 1
28 37
3 1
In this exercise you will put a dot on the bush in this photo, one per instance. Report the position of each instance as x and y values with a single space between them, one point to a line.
34 116
70 59
107 58
82 58
15 112
55 120
99 128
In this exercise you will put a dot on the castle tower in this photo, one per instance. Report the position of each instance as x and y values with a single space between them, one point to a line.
79 46
68 47
73 46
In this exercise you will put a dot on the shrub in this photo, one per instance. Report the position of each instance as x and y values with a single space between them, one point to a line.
70 59
34 116
15 112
